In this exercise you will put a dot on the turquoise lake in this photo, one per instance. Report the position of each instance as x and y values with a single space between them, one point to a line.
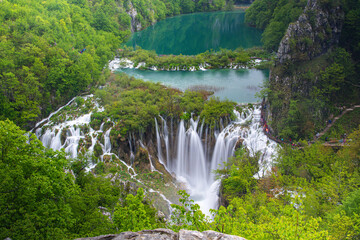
192 34
195 33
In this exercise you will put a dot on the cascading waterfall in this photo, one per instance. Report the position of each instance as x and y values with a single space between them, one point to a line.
52 136
195 158
189 149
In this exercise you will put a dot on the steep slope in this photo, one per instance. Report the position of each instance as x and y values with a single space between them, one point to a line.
312 76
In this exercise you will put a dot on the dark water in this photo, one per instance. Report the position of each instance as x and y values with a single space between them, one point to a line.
236 85
195 33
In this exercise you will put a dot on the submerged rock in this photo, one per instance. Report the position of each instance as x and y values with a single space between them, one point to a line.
166 234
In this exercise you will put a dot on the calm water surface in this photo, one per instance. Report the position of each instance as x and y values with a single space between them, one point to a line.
196 33
236 85
191 34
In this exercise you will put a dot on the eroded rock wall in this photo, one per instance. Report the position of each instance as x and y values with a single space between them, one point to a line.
315 32
306 41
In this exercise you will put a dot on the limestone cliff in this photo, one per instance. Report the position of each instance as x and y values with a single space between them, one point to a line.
316 30
135 24
301 57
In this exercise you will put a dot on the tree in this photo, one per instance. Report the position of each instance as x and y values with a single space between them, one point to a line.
35 189
188 215
134 215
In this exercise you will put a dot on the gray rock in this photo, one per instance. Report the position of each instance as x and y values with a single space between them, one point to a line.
102 237
221 236
206 235
159 234
316 30
166 234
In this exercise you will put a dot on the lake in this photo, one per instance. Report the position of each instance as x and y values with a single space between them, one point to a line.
191 34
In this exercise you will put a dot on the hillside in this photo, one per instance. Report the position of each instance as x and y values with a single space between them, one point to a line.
52 51
316 71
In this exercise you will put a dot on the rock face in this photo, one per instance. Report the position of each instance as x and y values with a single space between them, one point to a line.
166 234
135 24
316 30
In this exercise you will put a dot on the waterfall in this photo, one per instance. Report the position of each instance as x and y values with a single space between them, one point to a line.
196 156
166 138
158 140
71 132
107 143
189 149
132 156
72 141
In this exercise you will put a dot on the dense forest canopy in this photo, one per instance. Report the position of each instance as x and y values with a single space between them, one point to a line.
274 17
53 50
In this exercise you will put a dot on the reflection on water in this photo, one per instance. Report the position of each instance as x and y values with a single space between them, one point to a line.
195 33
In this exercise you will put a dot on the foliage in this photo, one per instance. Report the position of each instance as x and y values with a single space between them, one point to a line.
41 44
187 215
327 82
215 109
35 190
345 125
41 199
256 218
274 17
312 193
210 59
134 104
134 215
53 50
238 174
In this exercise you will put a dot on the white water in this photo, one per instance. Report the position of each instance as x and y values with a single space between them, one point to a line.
117 63
187 152
195 161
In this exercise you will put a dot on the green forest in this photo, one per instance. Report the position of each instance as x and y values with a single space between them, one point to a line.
52 51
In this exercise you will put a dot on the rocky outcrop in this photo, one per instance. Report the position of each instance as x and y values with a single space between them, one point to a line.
316 30
301 56
135 24
166 234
